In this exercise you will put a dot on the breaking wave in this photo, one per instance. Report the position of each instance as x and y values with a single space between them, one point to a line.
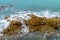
23 14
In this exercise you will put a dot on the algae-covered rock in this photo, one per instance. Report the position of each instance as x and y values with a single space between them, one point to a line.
42 24
44 28
47 28
33 29
13 28
35 21
53 22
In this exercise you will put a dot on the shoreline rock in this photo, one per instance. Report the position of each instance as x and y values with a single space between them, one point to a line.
13 28
35 23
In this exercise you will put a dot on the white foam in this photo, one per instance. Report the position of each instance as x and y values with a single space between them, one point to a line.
25 29
1 35
45 13
3 25
50 14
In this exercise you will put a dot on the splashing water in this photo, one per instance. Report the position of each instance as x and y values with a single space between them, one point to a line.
22 14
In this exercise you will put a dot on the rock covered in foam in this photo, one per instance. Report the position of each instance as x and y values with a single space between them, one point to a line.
13 28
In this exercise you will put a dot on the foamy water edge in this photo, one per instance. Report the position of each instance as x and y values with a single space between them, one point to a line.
24 15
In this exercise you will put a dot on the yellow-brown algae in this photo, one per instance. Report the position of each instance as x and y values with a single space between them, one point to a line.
47 28
39 24
42 24
35 21
53 22
13 28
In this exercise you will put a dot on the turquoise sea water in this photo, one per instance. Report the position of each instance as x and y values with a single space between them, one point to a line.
33 4
13 6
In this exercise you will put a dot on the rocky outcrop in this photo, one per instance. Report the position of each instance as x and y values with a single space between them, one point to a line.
35 23
43 24
13 28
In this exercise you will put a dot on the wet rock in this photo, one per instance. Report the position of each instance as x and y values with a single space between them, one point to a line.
42 24
49 37
34 29
58 27
6 17
47 28
35 21
53 22
13 28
